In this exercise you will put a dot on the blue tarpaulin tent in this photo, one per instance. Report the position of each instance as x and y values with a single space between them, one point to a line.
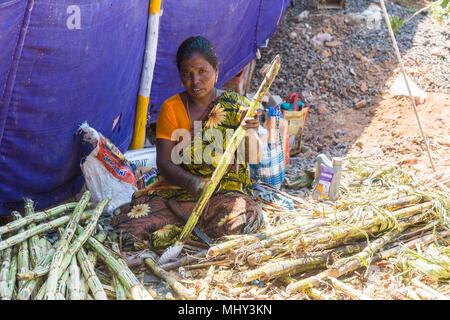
66 62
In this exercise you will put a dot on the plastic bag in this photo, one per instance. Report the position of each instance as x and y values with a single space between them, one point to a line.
398 88
106 171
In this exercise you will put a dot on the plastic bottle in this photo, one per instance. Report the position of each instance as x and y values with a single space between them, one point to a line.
327 178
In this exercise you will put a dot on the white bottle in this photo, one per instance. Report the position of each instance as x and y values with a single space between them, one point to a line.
327 178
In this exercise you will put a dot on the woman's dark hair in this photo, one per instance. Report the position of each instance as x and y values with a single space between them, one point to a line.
196 44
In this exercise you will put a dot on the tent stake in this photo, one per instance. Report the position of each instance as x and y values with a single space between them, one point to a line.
397 51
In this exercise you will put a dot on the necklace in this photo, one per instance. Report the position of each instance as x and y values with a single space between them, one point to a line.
188 109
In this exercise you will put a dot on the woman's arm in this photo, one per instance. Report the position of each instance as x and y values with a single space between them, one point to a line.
172 173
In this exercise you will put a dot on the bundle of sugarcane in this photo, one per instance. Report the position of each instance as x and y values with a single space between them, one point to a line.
34 268
381 211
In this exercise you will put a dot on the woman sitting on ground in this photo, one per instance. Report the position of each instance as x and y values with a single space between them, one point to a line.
231 209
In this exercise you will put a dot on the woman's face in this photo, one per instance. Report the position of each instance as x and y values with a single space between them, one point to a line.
198 76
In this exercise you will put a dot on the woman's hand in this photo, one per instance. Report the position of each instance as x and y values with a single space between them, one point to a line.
195 185
250 123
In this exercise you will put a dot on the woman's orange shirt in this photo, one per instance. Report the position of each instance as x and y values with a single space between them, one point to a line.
172 116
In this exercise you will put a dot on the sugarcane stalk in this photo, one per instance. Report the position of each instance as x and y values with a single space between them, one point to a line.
23 261
12 273
425 295
318 295
41 293
348 290
74 282
176 286
34 242
4 273
435 295
84 287
385 254
307 283
344 266
92 255
249 239
412 295
203 292
13 240
31 282
293 266
36 217
252 238
62 286
89 273
118 287
228 155
121 270
183 261
62 245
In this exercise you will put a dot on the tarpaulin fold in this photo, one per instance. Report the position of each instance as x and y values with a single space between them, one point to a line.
65 62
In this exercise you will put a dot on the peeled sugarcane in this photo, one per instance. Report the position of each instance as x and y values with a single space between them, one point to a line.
62 286
121 270
179 289
36 217
89 273
293 266
74 281
173 251
62 245
348 290
118 287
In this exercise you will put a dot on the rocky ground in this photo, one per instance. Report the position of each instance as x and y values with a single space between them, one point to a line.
346 81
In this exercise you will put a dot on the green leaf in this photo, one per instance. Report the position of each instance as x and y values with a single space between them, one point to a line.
444 3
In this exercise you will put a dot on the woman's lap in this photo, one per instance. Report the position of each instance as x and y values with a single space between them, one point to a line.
228 213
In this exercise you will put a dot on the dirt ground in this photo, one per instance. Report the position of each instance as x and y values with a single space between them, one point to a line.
390 125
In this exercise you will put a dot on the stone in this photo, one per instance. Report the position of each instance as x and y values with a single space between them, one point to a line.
274 100
292 35
309 74
333 44
322 108
360 104
326 53
364 87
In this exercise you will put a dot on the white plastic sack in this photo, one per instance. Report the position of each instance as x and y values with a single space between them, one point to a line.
106 171
398 88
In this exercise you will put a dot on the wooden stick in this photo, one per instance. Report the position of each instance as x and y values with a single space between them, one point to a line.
399 57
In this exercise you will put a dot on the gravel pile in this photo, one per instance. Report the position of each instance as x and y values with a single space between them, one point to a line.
355 64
